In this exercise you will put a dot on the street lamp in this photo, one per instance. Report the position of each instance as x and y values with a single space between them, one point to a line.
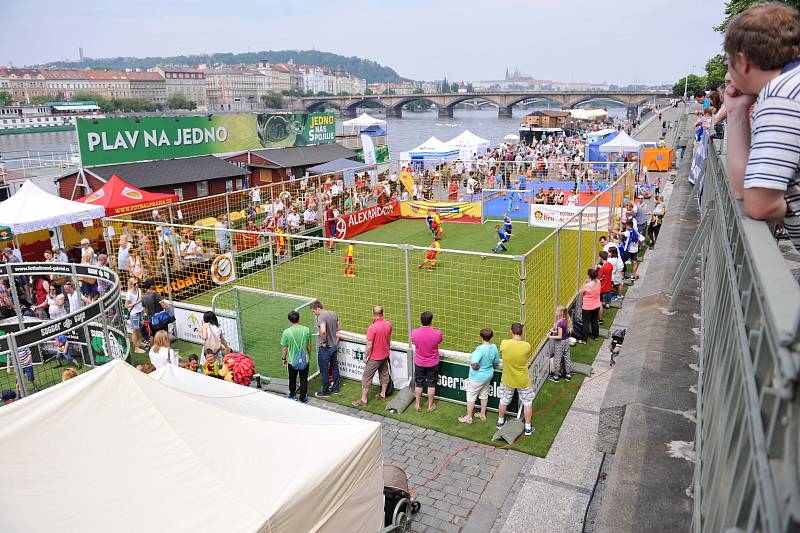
686 83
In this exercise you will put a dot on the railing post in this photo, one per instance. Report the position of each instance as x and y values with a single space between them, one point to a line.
163 246
580 250
12 345
410 351
272 261
522 294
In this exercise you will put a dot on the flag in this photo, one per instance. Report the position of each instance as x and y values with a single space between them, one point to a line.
407 179
369 156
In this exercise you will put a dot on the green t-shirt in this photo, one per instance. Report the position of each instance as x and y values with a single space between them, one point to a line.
295 337
515 355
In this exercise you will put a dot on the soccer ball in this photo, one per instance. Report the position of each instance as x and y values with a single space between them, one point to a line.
516 208
573 341
483 257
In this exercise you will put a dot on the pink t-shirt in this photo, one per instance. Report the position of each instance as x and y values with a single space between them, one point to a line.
426 341
591 298
380 333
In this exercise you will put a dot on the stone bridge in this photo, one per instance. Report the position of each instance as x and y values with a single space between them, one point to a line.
446 102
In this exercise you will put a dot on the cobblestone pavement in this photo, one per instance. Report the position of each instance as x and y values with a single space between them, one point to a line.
449 501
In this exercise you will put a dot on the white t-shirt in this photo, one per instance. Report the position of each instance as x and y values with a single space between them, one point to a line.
619 267
293 219
163 356
188 250
309 216
471 185
131 297
75 301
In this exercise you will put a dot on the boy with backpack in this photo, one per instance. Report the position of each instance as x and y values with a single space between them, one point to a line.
296 347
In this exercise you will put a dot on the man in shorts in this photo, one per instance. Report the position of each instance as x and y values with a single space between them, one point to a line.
376 357
515 353
426 341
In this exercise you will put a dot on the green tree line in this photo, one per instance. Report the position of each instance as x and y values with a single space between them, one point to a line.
372 71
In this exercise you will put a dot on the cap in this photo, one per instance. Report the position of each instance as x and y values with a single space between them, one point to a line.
61 339
9 395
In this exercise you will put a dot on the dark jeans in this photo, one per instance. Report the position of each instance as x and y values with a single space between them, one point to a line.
301 391
590 326
327 363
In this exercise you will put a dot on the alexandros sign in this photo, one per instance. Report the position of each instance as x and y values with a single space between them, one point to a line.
122 140
352 224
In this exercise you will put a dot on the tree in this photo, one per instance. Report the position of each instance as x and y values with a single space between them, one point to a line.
696 83
734 7
179 101
715 72
6 98
273 100
42 99
368 92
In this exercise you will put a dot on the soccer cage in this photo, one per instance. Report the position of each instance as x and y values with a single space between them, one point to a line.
252 275
36 351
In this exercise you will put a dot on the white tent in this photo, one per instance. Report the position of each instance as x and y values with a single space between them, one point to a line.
622 143
433 152
588 114
31 209
363 121
178 451
469 145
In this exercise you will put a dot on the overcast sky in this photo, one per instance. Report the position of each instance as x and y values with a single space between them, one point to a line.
650 41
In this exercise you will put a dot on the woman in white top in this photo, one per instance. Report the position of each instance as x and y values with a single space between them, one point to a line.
133 303
135 264
160 352
56 308
212 336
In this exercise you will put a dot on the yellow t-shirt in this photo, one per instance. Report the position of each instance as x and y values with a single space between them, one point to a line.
515 355
349 251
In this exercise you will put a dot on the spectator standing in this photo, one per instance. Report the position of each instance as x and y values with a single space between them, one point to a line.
605 275
73 300
376 356
133 304
560 336
426 340
309 218
762 45
41 286
296 339
328 329
123 254
160 351
153 303
481 371
56 308
213 338
619 269
221 233
656 219
515 353
330 223
59 256
293 220
590 291
25 357
135 266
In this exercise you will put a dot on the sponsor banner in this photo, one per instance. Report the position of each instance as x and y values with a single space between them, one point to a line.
381 153
187 282
96 342
189 320
105 141
556 216
452 385
222 269
469 212
351 363
352 224
253 260
303 246
137 207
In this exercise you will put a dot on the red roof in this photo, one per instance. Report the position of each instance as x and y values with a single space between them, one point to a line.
119 198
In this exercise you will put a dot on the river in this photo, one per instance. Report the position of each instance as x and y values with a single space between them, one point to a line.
404 133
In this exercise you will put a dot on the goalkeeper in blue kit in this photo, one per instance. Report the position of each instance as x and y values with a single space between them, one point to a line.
503 240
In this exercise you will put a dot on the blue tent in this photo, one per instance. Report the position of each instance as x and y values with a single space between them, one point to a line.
593 154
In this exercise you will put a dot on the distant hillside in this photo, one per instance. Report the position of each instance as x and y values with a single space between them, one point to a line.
370 70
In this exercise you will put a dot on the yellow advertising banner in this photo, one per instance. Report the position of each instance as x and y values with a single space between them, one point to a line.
450 211
407 179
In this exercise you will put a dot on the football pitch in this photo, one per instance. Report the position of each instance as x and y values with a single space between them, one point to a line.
465 292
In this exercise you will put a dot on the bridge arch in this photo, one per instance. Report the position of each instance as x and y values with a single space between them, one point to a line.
319 105
588 99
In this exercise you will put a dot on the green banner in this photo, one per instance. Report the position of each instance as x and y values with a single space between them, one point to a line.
452 384
381 153
107 141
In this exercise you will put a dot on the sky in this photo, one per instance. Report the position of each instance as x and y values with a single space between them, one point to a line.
646 41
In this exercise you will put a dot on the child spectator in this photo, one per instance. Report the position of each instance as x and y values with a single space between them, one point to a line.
605 275
560 335
482 363
68 374
193 364
25 357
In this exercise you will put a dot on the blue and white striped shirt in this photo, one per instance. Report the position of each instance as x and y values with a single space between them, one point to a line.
775 145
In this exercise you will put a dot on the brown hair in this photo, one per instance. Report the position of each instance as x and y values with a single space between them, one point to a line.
767 34
68 374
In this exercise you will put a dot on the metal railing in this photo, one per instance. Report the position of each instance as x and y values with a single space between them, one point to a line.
748 417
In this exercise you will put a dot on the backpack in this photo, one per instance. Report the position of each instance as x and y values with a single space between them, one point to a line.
300 361
162 318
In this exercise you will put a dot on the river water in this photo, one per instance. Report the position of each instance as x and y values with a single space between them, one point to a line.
404 133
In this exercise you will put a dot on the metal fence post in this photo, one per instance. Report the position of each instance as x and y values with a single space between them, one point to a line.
228 206
85 328
522 294
410 351
239 328
272 262
163 245
12 353
580 250
558 253
106 336
596 220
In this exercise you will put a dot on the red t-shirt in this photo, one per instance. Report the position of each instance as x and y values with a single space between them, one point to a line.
380 333
605 275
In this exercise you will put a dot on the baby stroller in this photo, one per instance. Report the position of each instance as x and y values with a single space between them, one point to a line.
398 505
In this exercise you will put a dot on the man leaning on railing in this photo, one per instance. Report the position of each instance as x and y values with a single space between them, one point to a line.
762 47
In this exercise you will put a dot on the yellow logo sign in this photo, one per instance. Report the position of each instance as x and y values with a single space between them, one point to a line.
131 193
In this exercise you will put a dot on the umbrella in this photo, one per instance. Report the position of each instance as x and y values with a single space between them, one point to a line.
511 137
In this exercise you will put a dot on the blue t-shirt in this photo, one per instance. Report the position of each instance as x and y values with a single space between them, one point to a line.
523 184
486 355
502 235
507 223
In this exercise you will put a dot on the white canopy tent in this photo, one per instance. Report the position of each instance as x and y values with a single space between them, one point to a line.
622 143
32 209
433 152
588 114
469 146
179 451
363 121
